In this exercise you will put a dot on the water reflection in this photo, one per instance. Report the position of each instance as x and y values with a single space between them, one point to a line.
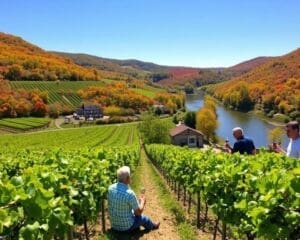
253 126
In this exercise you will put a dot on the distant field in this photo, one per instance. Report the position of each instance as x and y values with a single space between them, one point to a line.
65 92
148 91
111 135
25 123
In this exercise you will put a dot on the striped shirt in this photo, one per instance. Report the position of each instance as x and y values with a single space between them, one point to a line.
121 204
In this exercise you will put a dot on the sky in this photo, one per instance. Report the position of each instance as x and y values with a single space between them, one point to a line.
196 33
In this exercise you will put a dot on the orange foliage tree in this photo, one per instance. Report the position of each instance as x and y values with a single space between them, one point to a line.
117 95
273 87
21 103
20 60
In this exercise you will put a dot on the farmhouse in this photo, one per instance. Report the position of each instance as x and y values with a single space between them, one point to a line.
91 111
183 135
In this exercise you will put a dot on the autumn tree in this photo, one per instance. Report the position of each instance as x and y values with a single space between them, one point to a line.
210 102
206 122
206 118
14 72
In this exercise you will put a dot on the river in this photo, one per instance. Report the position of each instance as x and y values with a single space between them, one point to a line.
254 127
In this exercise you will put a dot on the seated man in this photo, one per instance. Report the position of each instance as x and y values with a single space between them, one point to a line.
242 145
125 211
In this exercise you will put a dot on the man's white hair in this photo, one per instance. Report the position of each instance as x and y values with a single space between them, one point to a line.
123 173
238 129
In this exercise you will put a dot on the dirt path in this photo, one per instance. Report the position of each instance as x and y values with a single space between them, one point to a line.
154 208
58 122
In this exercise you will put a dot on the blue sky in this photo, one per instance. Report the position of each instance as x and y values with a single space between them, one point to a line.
170 32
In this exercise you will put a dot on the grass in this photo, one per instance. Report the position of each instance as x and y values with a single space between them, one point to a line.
148 91
277 120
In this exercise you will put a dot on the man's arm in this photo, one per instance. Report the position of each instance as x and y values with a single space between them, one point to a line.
138 211
277 148
228 147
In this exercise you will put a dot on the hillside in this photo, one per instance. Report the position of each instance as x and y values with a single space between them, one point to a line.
164 75
203 76
132 68
273 87
21 60
247 66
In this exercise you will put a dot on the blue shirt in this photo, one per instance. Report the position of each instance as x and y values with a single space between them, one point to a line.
243 145
121 204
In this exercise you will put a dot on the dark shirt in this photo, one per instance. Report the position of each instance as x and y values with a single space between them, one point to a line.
243 145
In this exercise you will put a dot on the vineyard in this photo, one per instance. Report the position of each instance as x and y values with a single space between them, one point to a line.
51 183
49 194
253 196
64 92
111 135
23 124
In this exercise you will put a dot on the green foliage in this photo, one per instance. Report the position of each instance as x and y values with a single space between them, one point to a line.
158 76
190 119
153 130
188 88
258 195
42 193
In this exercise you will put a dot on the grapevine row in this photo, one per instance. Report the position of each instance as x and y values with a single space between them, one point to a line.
257 196
48 194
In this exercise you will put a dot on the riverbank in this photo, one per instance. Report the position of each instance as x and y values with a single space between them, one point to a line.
277 122
255 125
267 119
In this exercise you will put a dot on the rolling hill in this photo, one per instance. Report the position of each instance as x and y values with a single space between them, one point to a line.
247 66
164 75
21 60
273 87
270 83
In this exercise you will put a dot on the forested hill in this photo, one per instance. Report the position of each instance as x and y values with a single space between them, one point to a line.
129 65
165 75
247 66
21 60
273 87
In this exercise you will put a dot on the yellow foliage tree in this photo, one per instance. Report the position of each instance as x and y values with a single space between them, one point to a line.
209 102
206 122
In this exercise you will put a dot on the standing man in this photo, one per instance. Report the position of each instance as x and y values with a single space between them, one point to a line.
292 131
125 211
242 144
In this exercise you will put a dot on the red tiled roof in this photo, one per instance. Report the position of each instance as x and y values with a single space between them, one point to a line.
181 128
